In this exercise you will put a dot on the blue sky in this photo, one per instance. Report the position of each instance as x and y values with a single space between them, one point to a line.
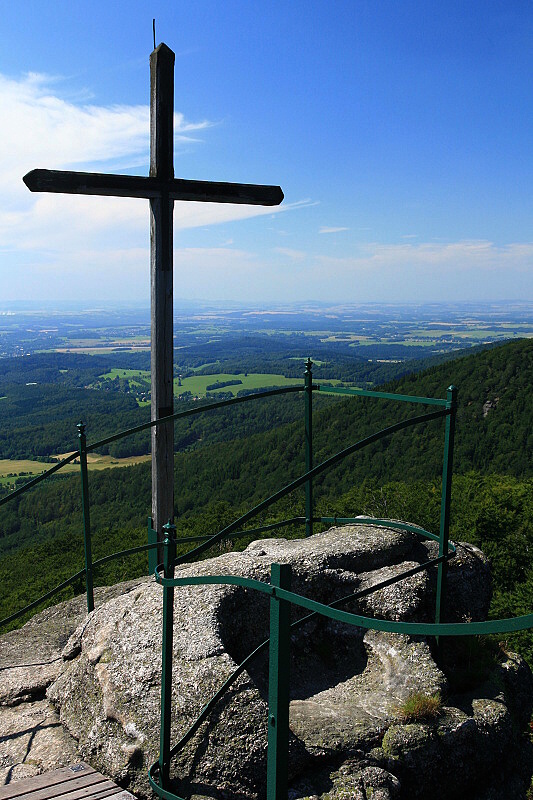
400 132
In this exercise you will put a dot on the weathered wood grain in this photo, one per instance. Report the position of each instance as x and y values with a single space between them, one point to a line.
98 183
69 783
161 283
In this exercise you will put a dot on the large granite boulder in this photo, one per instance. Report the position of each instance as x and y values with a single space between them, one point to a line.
348 686
32 739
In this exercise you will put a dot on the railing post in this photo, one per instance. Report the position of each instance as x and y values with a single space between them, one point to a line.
309 446
169 556
278 686
447 466
86 517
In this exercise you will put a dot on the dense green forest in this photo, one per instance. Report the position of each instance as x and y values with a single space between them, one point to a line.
260 454
45 395
492 500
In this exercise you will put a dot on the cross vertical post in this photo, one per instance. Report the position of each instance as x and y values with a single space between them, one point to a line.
447 466
161 285
309 446
161 188
169 556
86 517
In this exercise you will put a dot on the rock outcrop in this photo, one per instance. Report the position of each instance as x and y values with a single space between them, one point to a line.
101 674
32 739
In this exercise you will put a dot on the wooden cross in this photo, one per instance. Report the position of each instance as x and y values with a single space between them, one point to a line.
161 188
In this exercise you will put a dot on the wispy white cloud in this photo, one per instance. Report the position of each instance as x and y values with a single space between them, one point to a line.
456 257
97 241
43 126
40 128
196 215
429 271
379 273
296 255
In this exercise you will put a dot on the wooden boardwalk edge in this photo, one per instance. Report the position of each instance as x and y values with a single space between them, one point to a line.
77 782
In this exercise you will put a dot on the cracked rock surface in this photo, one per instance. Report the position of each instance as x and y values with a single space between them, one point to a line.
102 676
32 738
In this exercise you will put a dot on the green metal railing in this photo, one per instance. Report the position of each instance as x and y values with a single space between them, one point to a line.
279 652
279 588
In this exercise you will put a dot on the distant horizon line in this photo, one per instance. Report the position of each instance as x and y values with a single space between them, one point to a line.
96 305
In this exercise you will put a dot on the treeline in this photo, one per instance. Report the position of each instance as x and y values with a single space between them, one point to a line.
41 421
260 346
222 384
286 354
68 369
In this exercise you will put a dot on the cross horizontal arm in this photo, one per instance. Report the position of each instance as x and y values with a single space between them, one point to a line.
64 182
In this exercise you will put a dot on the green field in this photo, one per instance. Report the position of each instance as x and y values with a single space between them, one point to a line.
16 468
477 333
197 384
130 374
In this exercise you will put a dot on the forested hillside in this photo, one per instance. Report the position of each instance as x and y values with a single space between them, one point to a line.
43 396
398 477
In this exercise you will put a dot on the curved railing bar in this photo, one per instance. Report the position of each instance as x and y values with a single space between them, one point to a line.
139 549
331 611
428 401
68 459
121 553
162 793
247 531
223 534
46 596
229 530
507 625
388 523
191 411
209 407
39 478
259 649
262 529
145 426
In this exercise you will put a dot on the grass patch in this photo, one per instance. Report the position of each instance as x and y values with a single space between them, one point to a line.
419 706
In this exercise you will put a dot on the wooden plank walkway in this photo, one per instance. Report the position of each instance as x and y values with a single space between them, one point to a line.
78 782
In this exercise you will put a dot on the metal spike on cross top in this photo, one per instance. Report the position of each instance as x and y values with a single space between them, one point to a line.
162 189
